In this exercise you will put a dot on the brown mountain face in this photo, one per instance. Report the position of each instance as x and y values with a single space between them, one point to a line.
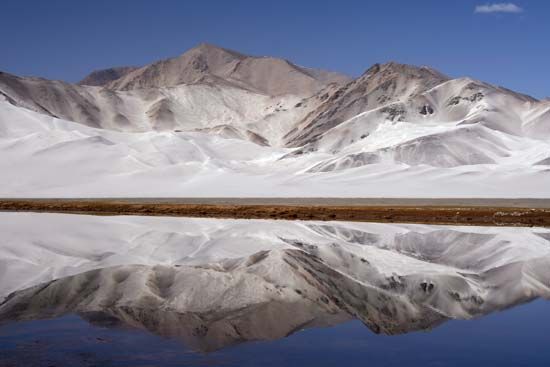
211 64
100 78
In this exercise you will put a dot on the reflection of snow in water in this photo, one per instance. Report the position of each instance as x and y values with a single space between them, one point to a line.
218 282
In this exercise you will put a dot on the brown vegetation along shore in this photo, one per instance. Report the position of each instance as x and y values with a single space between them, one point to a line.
431 214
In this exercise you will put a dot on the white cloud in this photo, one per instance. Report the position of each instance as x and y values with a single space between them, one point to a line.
498 8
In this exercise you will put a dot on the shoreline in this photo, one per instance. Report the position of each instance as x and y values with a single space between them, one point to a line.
483 214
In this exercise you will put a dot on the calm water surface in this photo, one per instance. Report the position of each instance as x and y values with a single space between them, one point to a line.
516 337
142 291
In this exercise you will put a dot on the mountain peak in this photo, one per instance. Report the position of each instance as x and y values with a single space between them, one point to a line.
265 75
206 45
381 84
393 68
209 48
396 80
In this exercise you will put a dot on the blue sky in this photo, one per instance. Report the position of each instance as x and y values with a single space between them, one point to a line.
506 44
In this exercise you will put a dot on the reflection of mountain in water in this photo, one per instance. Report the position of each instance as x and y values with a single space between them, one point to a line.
210 332
395 279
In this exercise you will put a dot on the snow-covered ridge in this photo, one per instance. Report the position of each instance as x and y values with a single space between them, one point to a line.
181 108
49 157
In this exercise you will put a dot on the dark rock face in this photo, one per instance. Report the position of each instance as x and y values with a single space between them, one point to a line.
426 110
476 97
394 112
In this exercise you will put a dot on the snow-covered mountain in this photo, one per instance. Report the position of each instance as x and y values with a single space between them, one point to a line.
266 127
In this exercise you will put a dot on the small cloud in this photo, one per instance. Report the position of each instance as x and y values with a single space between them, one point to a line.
498 8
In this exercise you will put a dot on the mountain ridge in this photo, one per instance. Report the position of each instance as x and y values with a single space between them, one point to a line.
255 73
447 136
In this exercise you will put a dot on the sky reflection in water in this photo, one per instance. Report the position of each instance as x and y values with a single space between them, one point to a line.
516 337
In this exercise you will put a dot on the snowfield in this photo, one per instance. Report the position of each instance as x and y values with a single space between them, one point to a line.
42 156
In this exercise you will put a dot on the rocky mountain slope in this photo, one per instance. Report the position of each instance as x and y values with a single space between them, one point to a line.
457 137
209 89
210 64
380 85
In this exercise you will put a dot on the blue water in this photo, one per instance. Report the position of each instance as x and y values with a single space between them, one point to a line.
516 337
